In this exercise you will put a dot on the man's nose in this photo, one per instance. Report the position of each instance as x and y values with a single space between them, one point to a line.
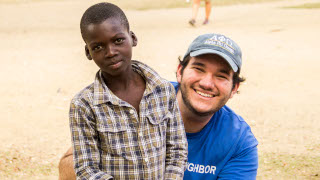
207 82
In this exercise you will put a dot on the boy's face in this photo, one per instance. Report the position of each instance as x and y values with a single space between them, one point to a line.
110 44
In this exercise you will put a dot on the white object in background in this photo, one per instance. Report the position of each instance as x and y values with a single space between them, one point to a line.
187 1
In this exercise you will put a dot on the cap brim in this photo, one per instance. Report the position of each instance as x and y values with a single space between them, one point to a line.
211 51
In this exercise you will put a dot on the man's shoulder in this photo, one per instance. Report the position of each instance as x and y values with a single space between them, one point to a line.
227 113
175 85
233 124
227 118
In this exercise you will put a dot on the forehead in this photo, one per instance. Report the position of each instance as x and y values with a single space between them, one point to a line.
109 27
211 61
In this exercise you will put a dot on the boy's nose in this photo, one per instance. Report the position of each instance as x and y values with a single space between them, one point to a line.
110 51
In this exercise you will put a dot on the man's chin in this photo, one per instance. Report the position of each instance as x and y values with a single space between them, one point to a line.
203 113
196 107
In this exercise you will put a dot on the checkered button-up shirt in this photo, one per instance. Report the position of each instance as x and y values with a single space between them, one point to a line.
110 140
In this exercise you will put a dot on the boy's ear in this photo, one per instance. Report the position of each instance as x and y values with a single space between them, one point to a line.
87 52
134 39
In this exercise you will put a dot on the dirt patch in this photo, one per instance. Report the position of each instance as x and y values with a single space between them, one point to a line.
43 66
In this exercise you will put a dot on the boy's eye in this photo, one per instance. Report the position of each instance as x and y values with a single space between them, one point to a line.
96 48
119 40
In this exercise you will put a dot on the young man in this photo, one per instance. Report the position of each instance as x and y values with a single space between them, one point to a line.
220 143
125 125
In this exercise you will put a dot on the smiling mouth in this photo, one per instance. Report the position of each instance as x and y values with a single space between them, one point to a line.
204 94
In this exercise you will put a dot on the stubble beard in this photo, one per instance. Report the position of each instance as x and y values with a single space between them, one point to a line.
186 101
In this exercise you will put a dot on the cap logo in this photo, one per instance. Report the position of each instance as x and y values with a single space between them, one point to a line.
222 42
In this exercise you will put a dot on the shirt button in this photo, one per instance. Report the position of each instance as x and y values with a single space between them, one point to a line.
131 111
146 160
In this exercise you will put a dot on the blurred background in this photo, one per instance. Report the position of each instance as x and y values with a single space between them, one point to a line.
43 66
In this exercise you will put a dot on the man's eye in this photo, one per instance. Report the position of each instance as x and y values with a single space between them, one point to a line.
199 69
222 77
119 40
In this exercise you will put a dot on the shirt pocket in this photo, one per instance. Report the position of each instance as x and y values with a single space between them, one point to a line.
114 139
158 129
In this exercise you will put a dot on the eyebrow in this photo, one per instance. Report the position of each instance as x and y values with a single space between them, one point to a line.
225 71
94 44
198 64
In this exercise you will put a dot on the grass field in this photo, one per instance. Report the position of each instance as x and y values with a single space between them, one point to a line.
307 6
285 166
151 4
16 165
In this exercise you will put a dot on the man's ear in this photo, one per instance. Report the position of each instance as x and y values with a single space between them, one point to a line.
134 39
178 74
234 90
87 52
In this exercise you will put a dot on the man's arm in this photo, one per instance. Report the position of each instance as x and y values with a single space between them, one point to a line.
66 171
243 167
244 163
84 140
176 142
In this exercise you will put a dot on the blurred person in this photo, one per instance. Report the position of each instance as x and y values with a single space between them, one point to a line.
220 142
126 124
195 9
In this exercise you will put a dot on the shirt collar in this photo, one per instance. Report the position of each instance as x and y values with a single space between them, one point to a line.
103 94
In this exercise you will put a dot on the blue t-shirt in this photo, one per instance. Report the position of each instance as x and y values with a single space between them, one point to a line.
224 149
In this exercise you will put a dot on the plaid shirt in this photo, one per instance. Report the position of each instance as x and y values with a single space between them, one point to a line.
110 140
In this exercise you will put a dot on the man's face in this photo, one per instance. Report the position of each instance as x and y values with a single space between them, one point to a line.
206 84
109 44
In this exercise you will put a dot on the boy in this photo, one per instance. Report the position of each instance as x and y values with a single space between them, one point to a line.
126 125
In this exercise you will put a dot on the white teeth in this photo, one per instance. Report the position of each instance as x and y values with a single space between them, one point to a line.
204 94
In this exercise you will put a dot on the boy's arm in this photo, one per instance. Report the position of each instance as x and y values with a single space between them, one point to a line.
84 141
177 146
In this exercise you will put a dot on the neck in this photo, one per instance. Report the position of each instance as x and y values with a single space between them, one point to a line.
192 122
121 82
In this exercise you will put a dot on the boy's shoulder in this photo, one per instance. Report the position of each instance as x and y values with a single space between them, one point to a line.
151 76
85 96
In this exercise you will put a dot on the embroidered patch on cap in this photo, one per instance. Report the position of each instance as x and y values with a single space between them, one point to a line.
222 42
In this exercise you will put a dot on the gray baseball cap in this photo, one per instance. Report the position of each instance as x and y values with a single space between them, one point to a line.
217 44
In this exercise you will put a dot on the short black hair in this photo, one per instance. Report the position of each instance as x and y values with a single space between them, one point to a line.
100 12
235 79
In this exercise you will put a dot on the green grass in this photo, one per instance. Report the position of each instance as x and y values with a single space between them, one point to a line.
153 4
15 165
166 4
307 6
23 1
286 166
